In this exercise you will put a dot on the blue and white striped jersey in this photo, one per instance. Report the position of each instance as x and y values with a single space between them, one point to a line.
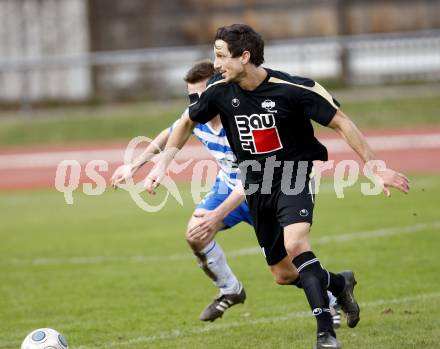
218 146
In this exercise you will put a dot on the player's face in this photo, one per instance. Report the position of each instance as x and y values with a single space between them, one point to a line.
230 67
198 87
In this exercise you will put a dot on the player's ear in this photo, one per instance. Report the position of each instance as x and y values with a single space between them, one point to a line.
245 57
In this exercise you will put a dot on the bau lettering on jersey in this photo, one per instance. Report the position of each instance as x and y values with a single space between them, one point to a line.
258 133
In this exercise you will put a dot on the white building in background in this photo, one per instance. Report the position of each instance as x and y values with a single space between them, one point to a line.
45 54
35 30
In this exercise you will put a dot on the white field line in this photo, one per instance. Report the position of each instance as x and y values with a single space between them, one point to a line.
362 235
177 333
197 152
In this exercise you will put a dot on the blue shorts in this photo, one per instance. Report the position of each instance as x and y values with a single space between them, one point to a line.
215 197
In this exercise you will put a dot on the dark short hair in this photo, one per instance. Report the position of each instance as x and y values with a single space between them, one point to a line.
240 38
200 71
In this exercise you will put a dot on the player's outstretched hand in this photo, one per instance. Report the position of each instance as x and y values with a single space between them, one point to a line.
155 178
121 174
392 179
210 223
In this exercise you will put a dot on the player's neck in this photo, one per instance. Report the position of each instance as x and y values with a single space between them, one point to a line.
253 78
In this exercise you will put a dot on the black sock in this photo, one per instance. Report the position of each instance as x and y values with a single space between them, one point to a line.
314 281
297 282
335 283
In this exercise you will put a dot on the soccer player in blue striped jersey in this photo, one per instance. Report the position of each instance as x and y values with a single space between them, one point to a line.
209 253
225 199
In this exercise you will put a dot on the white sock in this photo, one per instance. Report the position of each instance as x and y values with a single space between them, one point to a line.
332 299
212 260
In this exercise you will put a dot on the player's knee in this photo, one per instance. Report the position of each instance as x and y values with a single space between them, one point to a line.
189 240
284 278
296 238
195 245
296 247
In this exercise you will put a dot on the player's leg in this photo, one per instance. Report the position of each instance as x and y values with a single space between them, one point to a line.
335 310
212 260
270 235
295 215
285 273
313 280
341 285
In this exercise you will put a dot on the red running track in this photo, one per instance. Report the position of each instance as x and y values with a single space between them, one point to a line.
410 150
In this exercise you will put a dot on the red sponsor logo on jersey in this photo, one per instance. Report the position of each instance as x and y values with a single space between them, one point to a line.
266 140
258 133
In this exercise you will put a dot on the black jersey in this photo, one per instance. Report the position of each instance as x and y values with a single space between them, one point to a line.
272 120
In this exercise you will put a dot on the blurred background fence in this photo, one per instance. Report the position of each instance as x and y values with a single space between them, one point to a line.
81 50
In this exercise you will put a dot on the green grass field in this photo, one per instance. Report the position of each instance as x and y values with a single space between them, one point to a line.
127 121
108 275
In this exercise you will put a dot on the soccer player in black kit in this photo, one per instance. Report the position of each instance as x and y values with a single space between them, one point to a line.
267 118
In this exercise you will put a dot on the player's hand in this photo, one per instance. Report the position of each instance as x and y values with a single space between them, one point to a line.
155 178
210 223
392 179
121 174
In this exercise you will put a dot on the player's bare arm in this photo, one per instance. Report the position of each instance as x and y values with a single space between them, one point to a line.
389 178
126 171
210 221
175 142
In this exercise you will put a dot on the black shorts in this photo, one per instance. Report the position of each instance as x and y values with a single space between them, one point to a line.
272 212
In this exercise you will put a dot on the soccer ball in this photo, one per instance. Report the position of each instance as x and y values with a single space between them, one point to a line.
44 338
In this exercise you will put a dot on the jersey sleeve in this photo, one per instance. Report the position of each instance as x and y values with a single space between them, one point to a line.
203 108
317 104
